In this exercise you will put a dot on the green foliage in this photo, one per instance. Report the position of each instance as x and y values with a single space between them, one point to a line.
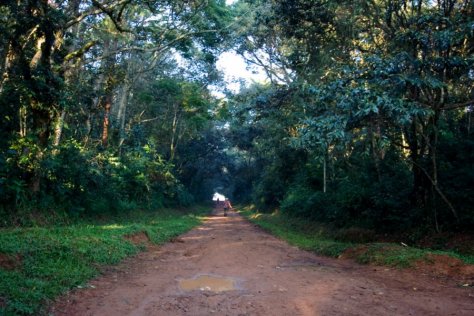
78 182
378 113
350 243
365 120
457 176
390 255
50 261
353 200
95 108
299 233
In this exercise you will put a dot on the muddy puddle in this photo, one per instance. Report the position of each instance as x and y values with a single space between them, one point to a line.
208 283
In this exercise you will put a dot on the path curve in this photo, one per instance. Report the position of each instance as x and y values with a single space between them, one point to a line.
270 278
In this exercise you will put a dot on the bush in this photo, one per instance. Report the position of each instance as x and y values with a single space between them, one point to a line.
358 199
355 235
79 182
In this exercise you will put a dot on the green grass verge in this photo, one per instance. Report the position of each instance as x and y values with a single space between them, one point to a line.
323 240
41 263
298 233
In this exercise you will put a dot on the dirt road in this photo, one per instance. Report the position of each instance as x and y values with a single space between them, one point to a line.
237 269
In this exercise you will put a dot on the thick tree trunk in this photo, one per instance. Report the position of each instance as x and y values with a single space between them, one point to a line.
70 68
9 57
43 109
42 127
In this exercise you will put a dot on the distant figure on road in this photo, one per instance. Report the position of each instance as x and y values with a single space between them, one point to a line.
227 206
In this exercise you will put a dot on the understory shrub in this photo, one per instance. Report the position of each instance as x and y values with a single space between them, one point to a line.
75 181
356 200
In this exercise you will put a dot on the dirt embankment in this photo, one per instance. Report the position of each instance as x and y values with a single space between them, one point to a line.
230 267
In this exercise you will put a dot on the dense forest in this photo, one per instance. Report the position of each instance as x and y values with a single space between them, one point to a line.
365 118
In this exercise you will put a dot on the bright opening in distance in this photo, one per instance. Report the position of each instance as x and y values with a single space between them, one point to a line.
236 73
218 197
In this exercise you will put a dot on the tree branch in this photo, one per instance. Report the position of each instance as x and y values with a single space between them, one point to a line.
451 106
98 9
110 13
457 105
80 52
149 120
438 190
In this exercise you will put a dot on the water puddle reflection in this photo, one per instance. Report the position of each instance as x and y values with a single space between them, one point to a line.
207 283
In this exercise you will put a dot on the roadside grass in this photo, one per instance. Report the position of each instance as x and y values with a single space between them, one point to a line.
298 233
324 240
38 264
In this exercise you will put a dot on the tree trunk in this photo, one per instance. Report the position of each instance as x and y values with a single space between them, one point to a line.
9 57
325 173
42 127
109 88
374 151
174 128
88 129
70 68
23 120
42 109
469 122
106 121
59 128
418 192
122 110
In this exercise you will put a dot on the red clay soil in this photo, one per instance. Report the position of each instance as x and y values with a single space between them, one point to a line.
9 262
443 265
269 277
140 238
